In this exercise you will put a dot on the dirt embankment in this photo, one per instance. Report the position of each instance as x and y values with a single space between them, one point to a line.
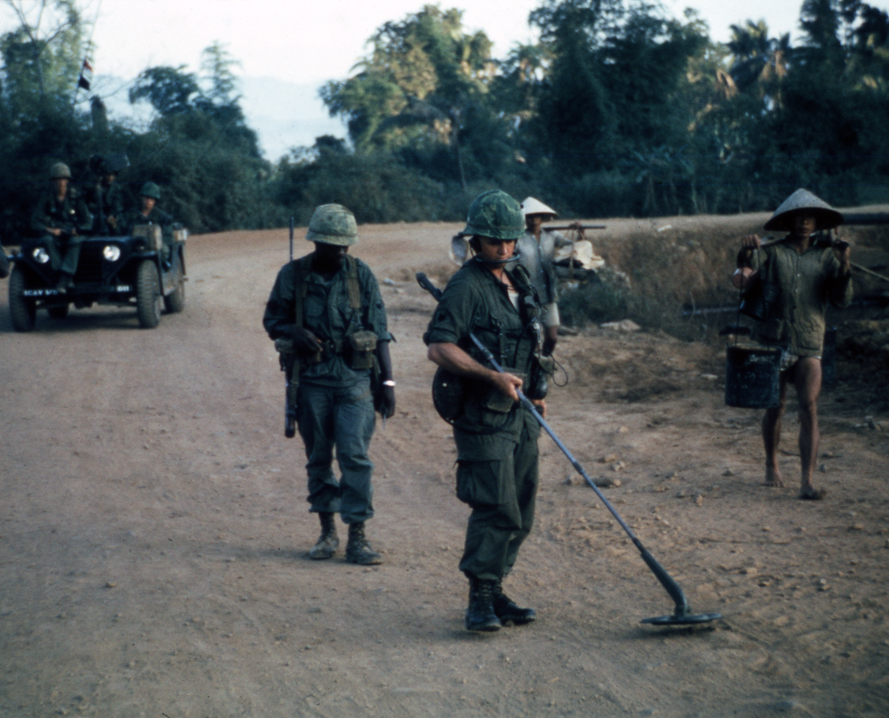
154 532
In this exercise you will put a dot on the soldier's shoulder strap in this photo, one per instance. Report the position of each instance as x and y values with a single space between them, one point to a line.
352 284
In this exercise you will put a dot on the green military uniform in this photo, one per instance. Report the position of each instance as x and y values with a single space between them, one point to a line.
806 283
334 401
70 215
112 206
134 218
496 447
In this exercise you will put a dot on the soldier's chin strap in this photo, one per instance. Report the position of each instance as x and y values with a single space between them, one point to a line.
516 255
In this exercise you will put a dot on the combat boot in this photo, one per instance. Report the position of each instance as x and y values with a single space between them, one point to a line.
506 609
328 541
358 550
480 615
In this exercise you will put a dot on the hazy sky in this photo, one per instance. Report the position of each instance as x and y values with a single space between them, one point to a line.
308 42
298 45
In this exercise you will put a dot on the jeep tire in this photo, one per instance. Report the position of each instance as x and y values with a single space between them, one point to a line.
148 296
174 302
22 310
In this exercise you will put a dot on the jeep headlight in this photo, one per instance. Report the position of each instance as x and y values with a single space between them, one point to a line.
111 252
40 255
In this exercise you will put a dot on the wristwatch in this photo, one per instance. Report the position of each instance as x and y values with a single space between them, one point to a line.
389 382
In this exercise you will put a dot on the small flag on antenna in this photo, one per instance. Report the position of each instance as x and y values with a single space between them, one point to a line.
86 73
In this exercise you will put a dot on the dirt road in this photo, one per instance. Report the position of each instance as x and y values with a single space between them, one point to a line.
154 530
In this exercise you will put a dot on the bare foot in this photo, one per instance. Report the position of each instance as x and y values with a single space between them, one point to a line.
773 477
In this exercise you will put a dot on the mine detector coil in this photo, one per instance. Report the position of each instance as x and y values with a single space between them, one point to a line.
287 356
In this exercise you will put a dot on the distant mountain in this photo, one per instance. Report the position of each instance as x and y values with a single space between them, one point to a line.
283 114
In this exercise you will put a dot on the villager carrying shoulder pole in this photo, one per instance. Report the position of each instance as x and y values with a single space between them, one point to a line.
682 613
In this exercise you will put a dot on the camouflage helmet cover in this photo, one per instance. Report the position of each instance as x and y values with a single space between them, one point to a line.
59 171
150 189
496 215
826 216
333 224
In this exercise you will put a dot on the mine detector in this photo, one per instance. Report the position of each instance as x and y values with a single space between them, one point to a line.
130 271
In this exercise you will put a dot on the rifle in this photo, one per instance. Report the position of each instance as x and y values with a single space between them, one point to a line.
290 383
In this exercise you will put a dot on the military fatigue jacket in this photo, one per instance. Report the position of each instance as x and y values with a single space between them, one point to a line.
476 302
328 314
806 283
112 204
134 218
68 215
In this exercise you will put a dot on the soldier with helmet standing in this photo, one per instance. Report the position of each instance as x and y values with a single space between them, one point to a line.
327 306
496 436
801 277
61 216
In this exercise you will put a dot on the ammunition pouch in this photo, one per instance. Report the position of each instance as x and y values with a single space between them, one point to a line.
498 402
361 348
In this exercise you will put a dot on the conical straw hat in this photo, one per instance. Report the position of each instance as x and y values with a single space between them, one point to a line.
535 206
826 215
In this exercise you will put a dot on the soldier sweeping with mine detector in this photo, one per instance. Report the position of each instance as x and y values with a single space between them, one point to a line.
487 340
328 321
789 284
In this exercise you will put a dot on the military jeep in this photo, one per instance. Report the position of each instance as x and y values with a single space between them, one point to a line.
135 271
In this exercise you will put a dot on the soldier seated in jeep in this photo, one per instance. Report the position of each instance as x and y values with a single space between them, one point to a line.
61 217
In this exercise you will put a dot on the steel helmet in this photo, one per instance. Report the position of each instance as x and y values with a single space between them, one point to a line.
496 215
150 189
532 205
333 224
826 216
59 170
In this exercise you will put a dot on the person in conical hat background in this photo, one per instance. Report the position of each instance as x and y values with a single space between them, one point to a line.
536 249
808 275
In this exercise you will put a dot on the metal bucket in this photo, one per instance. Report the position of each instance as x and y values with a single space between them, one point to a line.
829 358
752 377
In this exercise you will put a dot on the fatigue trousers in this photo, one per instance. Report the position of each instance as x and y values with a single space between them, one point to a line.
64 254
340 418
502 494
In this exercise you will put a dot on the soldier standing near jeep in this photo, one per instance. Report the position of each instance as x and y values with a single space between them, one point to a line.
327 317
61 215
496 436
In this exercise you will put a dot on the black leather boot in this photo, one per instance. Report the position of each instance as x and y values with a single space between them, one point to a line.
480 615
328 541
358 550
507 610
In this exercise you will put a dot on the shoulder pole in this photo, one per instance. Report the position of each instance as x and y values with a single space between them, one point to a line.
682 613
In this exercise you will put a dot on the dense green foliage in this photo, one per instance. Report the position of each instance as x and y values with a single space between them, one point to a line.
616 110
